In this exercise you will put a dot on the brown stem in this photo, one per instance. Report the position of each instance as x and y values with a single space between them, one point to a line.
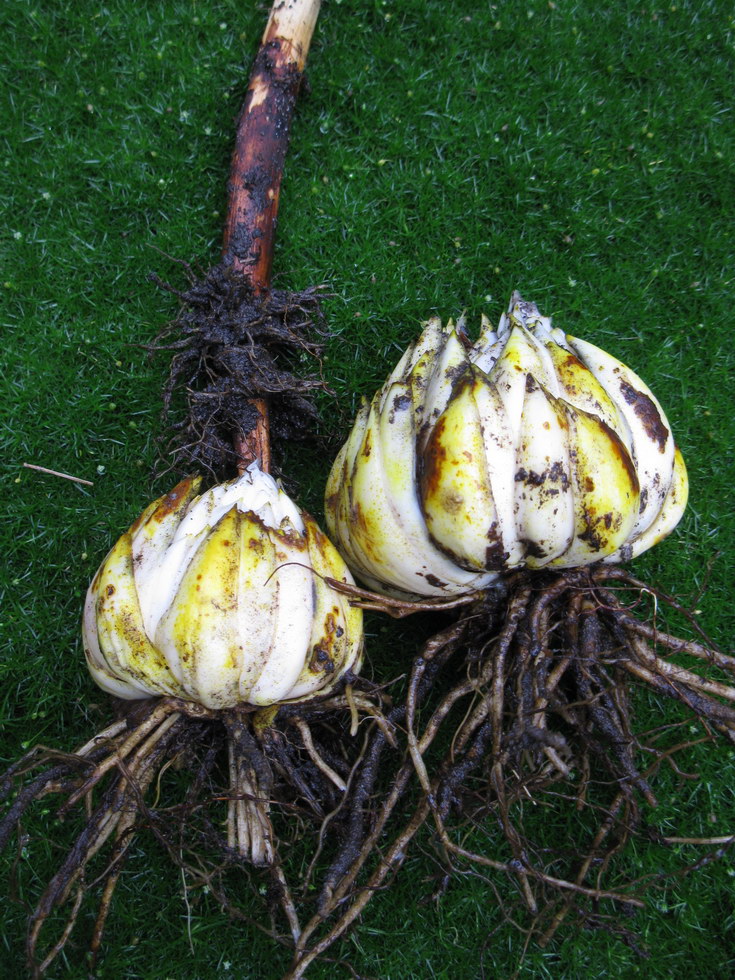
257 166
255 445
262 140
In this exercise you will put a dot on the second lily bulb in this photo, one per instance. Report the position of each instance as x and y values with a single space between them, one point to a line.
529 448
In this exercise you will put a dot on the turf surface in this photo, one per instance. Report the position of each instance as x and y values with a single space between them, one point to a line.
446 154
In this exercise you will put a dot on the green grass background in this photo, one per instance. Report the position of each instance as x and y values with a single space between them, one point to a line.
447 153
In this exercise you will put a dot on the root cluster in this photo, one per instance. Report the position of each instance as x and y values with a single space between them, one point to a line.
522 700
232 347
252 766
547 709
526 699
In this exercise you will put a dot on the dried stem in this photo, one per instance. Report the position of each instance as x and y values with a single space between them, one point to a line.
262 140
235 337
256 170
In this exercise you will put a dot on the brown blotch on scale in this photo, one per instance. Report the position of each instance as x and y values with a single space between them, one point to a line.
532 549
172 500
647 413
321 661
357 517
558 474
451 502
569 369
495 554
400 404
367 447
433 459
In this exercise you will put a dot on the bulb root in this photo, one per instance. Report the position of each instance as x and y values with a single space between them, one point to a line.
293 763
535 685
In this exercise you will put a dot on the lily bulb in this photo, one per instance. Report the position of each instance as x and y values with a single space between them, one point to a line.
220 598
529 448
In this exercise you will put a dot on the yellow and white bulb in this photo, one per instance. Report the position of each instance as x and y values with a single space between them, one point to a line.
220 598
529 448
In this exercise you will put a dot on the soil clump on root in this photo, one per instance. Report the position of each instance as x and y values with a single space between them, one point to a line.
232 346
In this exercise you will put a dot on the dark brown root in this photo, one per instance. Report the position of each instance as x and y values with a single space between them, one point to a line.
538 713
278 773
232 347
551 714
